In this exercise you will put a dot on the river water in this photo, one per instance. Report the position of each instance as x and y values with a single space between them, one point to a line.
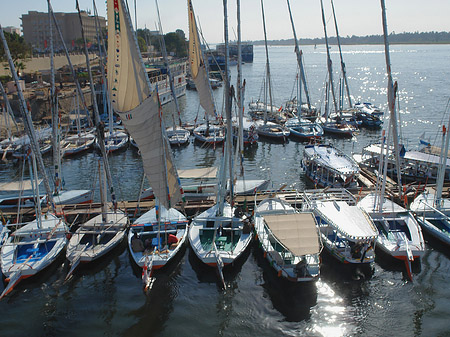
106 297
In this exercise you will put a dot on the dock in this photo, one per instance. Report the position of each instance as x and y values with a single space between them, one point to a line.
82 212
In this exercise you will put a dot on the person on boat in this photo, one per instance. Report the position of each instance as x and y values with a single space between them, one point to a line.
136 244
172 241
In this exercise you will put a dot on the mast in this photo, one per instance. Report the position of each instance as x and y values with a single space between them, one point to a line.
240 88
267 67
442 165
169 72
392 93
329 62
299 54
99 126
101 45
344 72
228 96
28 122
54 111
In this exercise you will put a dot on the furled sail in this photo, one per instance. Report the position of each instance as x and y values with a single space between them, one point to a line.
199 72
138 106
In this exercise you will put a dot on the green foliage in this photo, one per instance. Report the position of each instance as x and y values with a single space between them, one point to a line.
17 46
142 44
5 79
175 42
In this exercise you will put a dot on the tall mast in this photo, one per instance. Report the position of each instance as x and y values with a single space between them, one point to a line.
344 72
299 54
54 111
329 63
28 123
392 93
99 127
169 72
228 97
240 93
101 45
267 66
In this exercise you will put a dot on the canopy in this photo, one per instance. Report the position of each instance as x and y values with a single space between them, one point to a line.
17 185
206 173
352 221
297 232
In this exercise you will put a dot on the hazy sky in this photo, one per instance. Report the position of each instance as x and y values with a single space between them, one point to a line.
355 17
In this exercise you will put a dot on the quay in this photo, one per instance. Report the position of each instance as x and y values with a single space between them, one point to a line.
133 208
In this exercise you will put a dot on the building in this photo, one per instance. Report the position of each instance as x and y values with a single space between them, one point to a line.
11 30
35 28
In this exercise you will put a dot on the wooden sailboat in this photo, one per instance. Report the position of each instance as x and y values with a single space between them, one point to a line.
96 237
60 195
209 133
399 233
299 127
137 103
337 126
82 140
268 129
176 134
36 244
365 119
220 235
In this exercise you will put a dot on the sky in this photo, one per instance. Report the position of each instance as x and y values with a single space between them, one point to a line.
354 17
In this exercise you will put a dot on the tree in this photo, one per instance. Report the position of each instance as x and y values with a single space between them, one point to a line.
18 48
142 44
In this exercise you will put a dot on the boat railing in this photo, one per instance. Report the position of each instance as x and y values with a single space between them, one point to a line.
433 208
329 194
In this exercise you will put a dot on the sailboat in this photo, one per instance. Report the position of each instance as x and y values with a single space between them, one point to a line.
220 235
99 235
138 105
205 133
337 125
399 234
299 127
431 209
176 134
36 244
269 129
352 113
61 196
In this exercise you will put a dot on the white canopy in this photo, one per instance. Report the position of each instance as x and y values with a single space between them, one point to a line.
351 221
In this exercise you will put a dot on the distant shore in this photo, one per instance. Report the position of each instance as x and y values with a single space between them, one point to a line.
402 38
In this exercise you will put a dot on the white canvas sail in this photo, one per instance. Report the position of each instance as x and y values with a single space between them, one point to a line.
138 106
199 72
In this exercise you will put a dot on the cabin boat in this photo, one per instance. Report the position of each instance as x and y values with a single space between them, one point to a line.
326 166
